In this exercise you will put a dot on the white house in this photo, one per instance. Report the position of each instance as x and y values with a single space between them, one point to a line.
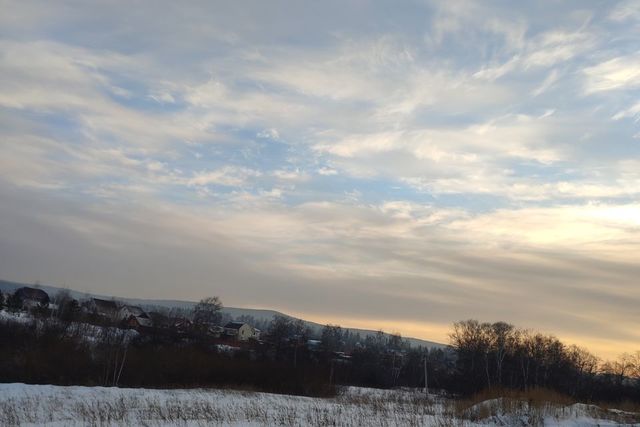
240 331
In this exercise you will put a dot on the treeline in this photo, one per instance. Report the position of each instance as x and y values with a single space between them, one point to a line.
64 343
61 343
379 360
503 356
50 351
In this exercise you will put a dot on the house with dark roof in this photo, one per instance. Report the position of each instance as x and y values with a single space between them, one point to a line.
130 310
104 308
32 297
138 322
134 317
239 331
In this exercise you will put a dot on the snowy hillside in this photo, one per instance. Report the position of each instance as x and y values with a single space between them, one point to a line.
22 404
234 312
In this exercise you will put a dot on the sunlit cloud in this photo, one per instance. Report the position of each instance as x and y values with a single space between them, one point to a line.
616 73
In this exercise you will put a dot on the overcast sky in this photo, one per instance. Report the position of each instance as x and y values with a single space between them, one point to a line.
395 165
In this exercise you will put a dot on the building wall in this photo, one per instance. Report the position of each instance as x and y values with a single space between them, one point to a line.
245 332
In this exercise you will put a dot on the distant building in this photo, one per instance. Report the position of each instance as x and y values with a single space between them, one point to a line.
32 297
134 317
138 322
104 308
239 331
127 311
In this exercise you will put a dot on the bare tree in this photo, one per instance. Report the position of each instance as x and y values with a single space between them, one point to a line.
471 341
331 338
503 337
207 312
280 330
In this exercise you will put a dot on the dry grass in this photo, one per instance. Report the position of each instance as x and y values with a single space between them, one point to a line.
535 405
626 406
353 407
217 407
535 396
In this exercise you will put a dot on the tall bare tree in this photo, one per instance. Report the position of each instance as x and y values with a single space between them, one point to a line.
207 312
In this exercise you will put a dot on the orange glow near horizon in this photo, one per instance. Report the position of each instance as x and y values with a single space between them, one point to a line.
439 333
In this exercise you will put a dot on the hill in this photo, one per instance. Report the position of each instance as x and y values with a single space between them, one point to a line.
235 312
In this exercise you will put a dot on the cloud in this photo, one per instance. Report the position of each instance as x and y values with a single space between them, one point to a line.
475 159
618 73
632 112
228 176
290 175
549 81
511 136
625 10
568 226
548 49
465 20
558 46
327 171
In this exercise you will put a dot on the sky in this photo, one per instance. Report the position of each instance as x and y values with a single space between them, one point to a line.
394 165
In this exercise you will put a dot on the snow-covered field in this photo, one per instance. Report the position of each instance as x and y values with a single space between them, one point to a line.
32 405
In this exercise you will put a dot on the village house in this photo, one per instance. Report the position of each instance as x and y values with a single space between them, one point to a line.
103 308
239 331
32 297
134 317
138 322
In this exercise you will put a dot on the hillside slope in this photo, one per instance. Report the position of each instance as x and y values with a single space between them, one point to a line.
149 304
